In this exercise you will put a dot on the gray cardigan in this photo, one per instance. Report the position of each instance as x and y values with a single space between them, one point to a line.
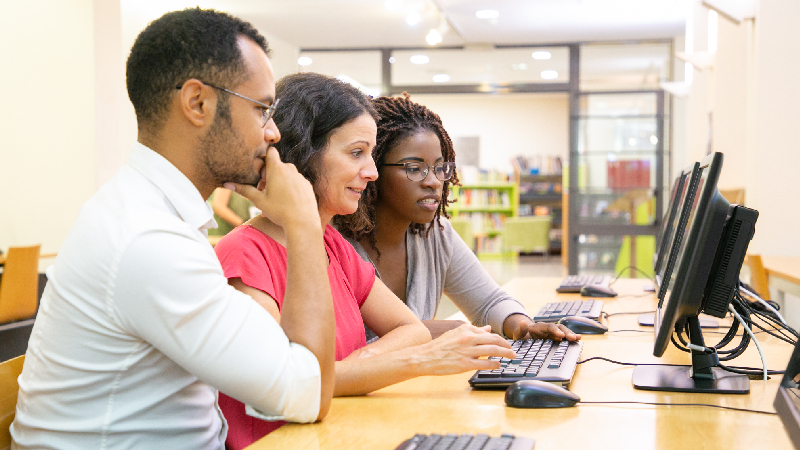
442 262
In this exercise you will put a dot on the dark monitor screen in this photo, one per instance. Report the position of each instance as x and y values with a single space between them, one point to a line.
695 253
674 224
708 258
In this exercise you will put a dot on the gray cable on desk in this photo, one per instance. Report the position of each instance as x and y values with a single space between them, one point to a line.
752 336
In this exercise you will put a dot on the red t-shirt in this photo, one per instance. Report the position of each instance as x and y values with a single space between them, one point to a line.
260 262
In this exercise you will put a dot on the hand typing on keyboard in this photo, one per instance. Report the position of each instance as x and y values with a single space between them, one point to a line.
519 326
460 350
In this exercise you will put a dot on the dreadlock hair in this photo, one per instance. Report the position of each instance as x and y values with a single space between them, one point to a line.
400 118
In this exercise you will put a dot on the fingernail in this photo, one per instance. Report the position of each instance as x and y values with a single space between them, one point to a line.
229 186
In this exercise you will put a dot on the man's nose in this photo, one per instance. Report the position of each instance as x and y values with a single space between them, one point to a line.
271 133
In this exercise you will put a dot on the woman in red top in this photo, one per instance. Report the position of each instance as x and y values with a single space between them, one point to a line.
328 131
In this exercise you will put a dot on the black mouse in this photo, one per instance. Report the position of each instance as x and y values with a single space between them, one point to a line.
591 290
583 325
539 394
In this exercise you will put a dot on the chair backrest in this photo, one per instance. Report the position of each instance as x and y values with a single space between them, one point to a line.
464 229
9 372
758 276
527 234
20 284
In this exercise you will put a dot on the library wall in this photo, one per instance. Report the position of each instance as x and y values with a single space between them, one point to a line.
508 125
47 143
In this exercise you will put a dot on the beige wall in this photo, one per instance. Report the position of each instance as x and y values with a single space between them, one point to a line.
47 122
752 95
508 125
772 163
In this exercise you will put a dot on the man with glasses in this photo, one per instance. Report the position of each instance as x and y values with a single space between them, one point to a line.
138 327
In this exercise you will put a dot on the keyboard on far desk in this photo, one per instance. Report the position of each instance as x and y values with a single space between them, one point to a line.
537 359
553 311
467 442
572 284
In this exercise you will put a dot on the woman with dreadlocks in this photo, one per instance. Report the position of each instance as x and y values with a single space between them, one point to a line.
415 250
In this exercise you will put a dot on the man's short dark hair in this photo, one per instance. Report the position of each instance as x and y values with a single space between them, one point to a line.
180 45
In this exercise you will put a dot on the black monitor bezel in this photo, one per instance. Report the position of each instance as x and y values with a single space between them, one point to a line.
673 235
684 297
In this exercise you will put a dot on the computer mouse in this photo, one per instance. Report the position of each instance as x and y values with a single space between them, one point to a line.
583 325
539 394
597 291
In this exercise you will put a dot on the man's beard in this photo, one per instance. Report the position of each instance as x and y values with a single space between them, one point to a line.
220 149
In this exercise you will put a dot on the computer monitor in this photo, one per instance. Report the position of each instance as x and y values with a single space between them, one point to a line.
674 224
787 402
708 258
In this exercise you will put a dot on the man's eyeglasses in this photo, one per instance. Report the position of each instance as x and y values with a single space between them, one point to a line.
267 111
418 171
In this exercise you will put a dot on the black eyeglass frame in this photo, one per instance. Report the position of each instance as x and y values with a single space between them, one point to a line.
268 111
427 169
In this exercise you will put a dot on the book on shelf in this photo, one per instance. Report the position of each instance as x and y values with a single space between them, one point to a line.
483 197
537 164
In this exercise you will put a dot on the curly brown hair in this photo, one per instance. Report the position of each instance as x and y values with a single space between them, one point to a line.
399 119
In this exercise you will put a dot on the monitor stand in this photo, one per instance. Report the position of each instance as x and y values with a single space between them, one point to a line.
702 376
646 320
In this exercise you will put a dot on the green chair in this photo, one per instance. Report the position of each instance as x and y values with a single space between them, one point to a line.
527 234
463 227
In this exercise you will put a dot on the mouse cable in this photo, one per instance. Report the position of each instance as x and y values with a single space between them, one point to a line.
623 363
607 315
619 274
630 331
734 369
682 404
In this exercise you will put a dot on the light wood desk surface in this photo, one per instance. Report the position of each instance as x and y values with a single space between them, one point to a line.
785 267
385 418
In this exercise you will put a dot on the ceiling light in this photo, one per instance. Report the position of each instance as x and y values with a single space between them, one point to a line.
304 61
420 59
520 66
391 60
632 142
433 37
487 14
653 140
441 78
541 55
393 5
549 74
413 18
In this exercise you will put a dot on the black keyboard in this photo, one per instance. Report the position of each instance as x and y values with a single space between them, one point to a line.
537 359
573 283
467 442
553 311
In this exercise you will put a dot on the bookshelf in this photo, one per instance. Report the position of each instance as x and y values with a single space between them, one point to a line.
541 195
486 206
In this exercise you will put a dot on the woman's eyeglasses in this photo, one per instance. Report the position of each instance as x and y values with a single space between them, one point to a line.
418 171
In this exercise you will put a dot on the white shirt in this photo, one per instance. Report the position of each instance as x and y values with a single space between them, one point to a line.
138 326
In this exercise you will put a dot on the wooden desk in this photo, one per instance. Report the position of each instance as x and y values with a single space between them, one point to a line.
783 272
385 418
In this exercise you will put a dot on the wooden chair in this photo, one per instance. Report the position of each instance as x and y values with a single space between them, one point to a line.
758 276
9 372
20 284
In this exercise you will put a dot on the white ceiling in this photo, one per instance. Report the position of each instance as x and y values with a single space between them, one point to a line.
368 23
